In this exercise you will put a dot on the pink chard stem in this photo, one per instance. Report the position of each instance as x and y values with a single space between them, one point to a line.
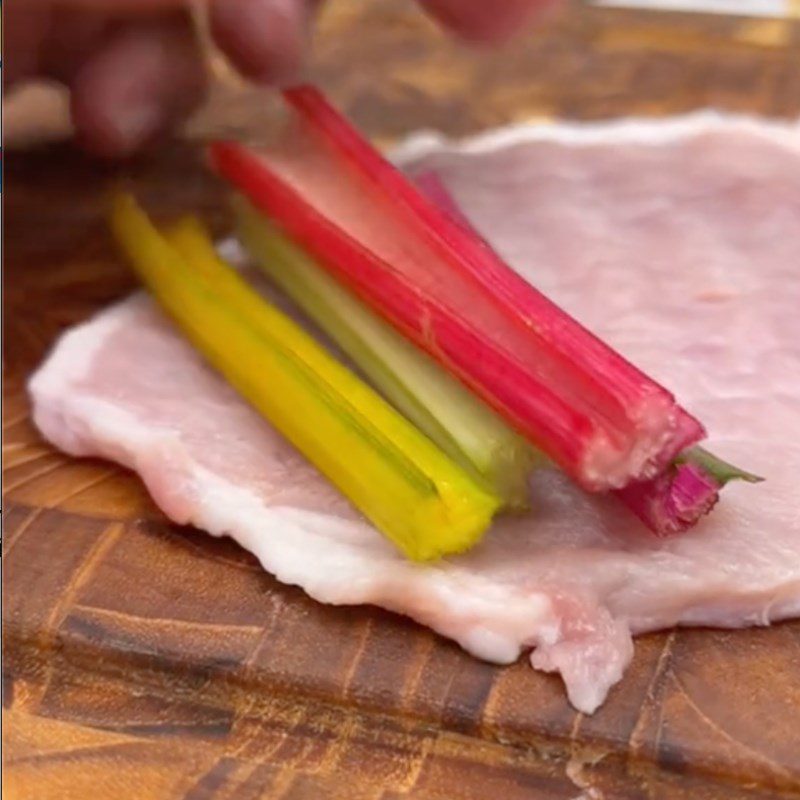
688 489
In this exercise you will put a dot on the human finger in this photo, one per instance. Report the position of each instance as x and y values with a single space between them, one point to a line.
144 78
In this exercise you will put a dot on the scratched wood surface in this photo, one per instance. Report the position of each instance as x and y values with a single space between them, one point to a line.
146 661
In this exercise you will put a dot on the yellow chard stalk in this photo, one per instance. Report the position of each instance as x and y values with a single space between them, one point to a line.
420 499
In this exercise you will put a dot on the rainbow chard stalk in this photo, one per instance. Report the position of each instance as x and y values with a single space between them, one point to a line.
688 489
599 418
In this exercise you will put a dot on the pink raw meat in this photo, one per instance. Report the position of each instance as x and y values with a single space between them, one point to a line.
679 243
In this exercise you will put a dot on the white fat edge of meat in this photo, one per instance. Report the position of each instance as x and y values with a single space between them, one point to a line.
617 131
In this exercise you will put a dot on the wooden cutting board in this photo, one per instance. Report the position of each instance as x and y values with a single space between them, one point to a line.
147 661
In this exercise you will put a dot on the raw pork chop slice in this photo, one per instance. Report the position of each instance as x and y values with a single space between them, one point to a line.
679 243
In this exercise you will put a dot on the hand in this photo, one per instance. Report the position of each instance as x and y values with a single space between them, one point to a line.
134 68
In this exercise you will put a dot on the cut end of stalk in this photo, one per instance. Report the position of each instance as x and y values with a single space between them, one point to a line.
509 471
683 493
674 501
458 525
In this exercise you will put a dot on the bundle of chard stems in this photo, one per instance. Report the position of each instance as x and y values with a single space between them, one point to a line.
459 378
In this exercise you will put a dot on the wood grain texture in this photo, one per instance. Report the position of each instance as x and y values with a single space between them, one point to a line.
146 661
